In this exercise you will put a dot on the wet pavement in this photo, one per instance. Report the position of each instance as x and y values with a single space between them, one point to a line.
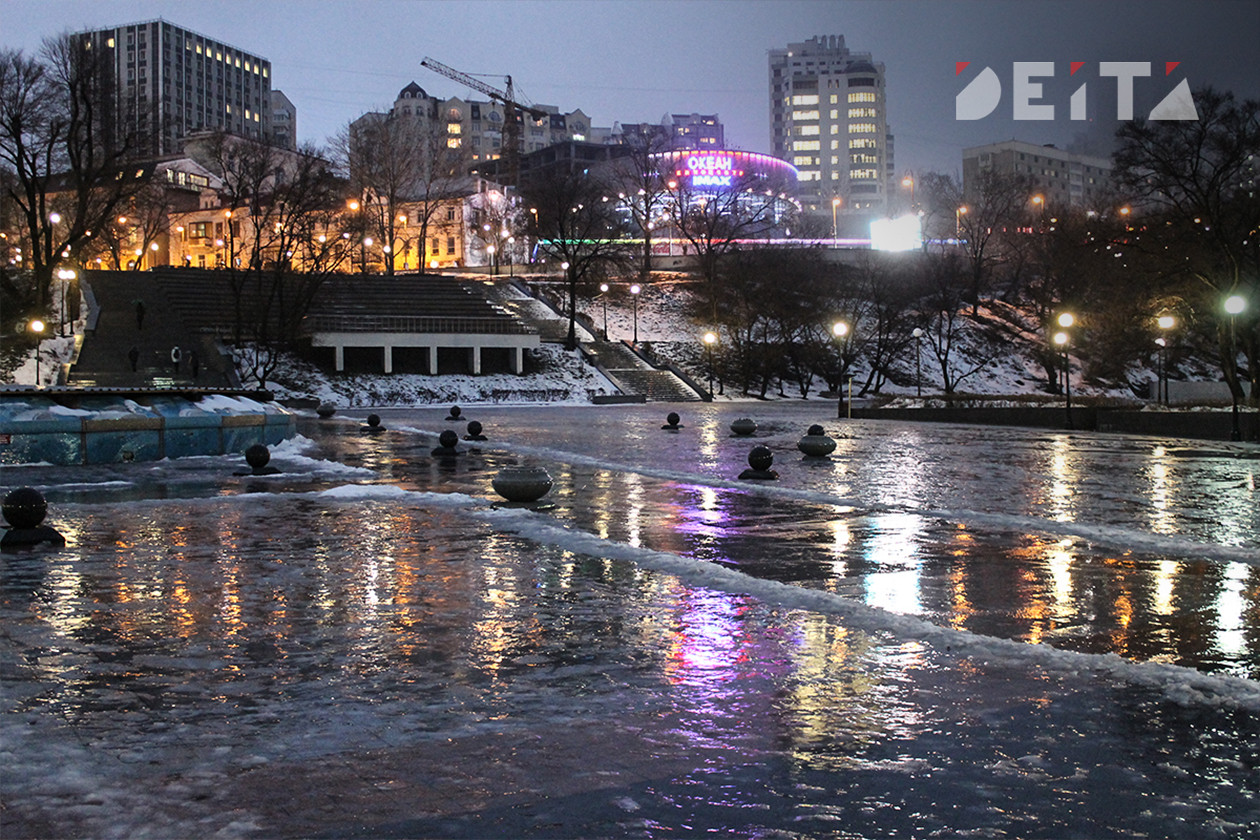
937 632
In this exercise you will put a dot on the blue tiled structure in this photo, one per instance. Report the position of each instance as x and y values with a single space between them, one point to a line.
79 427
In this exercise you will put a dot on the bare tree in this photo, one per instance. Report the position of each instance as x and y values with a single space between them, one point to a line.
577 225
985 215
714 221
1194 180
67 161
283 210
401 168
643 190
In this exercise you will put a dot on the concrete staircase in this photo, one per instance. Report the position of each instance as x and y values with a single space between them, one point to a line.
104 359
633 374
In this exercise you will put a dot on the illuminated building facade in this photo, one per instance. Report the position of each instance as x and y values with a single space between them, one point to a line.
828 117
168 82
758 179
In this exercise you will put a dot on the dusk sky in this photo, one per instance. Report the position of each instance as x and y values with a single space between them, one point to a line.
637 60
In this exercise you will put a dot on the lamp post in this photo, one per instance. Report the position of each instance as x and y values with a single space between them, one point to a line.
37 326
918 361
1063 340
908 182
603 295
958 214
1234 305
634 292
511 254
1165 323
710 338
835 205
841 331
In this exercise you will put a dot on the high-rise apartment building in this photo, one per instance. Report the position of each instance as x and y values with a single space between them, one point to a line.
168 82
828 117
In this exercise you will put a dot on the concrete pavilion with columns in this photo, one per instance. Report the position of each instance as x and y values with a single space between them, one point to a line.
415 324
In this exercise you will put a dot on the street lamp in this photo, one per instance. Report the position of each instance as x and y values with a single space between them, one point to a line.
710 338
1063 340
1165 323
490 255
841 330
918 361
603 294
835 205
958 214
634 291
37 326
1234 305
908 182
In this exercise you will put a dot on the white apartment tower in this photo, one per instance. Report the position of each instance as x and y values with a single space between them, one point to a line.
167 82
828 117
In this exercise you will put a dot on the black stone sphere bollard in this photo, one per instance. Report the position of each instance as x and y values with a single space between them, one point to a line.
454 415
373 424
743 427
522 484
474 431
257 456
325 410
816 444
671 422
759 461
24 508
446 444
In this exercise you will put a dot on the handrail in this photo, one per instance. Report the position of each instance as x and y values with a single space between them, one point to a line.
413 324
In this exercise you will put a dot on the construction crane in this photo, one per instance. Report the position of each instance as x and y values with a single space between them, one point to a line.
511 151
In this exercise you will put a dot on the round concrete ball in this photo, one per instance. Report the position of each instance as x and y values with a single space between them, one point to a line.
474 427
257 456
326 410
672 418
455 412
374 420
744 426
24 507
760 458
448 439
816 430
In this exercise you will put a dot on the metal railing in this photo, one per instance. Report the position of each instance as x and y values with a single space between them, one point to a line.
422 324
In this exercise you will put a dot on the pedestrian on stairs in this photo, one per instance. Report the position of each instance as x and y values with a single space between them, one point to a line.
139 314
175 357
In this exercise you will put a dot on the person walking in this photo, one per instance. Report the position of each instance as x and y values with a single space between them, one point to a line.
134 356
175 357
139 314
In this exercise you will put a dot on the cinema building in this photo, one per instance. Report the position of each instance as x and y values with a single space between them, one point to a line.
745 181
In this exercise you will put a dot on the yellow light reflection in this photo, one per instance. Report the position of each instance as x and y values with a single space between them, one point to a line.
1163 514
1063 480
1230 606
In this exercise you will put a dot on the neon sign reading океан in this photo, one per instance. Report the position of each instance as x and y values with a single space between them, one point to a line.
713 170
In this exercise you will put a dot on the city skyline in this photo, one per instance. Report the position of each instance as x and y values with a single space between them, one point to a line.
639 60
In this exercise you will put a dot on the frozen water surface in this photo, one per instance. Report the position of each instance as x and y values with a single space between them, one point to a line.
940 631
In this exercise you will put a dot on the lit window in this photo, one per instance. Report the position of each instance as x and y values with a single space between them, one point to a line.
863 143
835 113
805 99
862 128
806 146
859 97
199 49
803 160
452 142
807 130
861 113
454 128
804 115
110 43
833 99
863 174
